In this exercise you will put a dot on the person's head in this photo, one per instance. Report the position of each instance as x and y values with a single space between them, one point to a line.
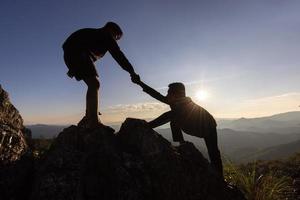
114 29
176 91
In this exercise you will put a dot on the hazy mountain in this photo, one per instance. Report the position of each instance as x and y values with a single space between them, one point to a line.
239 139
274 152
288 116
237 145
45 131
283 123
50 131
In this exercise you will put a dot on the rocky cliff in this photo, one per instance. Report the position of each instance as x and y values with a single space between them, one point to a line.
134 164
12 131
15 161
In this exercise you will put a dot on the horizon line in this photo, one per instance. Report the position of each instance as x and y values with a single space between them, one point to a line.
120 122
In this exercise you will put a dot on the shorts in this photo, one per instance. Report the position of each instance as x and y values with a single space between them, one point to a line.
80 65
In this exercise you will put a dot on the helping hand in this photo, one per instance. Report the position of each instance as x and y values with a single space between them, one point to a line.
135 78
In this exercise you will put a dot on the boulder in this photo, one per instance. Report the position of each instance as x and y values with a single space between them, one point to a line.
12 132
15 157
82 164
135 163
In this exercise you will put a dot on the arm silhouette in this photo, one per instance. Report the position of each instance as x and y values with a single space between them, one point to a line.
119 56
165 118
152 92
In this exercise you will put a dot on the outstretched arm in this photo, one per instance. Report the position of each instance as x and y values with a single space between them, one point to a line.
152 92
119 56
162 119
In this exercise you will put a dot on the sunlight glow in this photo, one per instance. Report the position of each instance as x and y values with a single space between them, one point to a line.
201 95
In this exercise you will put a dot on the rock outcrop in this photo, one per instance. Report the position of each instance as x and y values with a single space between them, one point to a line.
15 160
136 163
82 164
12 132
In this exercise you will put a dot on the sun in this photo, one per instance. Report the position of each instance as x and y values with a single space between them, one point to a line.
201 95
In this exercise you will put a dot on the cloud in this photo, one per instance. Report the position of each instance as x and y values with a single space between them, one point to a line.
118 113
271 105
139 107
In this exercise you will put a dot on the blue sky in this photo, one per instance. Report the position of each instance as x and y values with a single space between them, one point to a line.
243 54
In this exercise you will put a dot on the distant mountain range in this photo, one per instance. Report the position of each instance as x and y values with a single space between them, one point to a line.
242 146
240 140
274 152
283 123
45 131
51 131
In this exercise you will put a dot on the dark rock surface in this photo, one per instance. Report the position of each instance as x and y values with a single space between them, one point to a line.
136 163
12 138
15 159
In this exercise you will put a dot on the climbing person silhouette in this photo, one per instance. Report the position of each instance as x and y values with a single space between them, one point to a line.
187 116
81 49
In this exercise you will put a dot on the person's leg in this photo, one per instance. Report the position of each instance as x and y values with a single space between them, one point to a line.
211 142
92 100
176 132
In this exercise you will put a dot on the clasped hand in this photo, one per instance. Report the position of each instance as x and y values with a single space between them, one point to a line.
135 78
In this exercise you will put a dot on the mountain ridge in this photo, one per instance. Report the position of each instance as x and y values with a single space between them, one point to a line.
288 122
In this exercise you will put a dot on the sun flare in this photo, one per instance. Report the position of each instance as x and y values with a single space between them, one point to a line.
201 95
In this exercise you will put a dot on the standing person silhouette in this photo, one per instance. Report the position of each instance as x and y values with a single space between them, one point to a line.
81 49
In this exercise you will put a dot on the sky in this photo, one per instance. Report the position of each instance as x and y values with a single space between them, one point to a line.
237 58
